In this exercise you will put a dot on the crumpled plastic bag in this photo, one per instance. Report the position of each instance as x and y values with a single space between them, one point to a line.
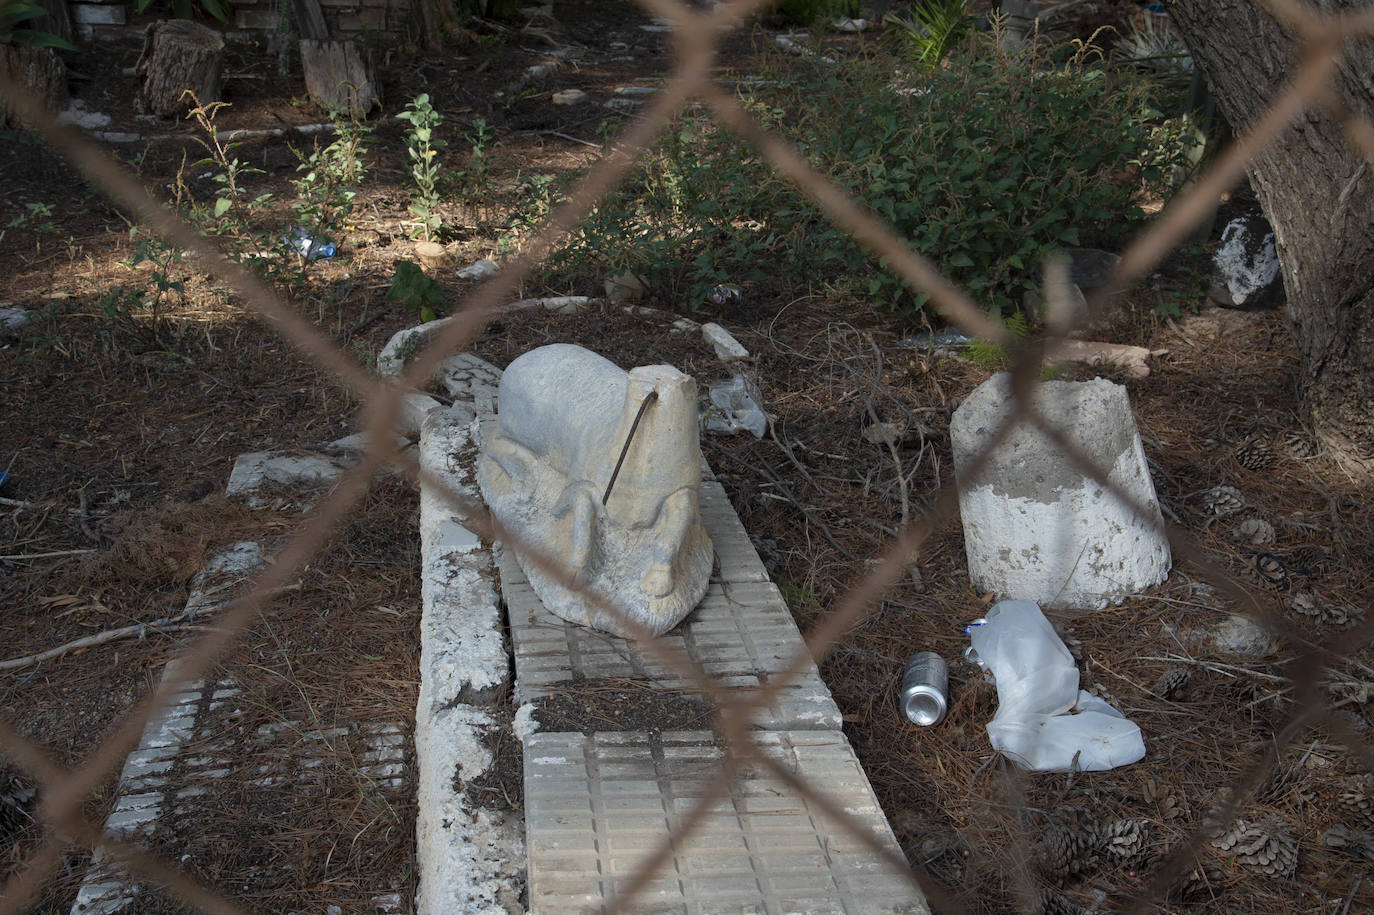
737 407
1044 722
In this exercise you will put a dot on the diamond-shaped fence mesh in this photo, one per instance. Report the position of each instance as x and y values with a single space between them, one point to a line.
694 36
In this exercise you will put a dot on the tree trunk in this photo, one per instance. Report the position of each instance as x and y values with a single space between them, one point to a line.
340 77
1318 194
38 68
179 55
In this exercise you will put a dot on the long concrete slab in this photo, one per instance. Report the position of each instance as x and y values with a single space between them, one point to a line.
598 805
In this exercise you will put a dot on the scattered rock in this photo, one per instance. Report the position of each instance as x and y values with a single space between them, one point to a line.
559 304
627 287
479 270
569 97
686 326
1241 637
77 113
636 90
14 319
851 25
728 349
1245 268
1090 267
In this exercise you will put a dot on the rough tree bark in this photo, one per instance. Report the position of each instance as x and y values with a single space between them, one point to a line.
179 55
38 68
340 77
1318 194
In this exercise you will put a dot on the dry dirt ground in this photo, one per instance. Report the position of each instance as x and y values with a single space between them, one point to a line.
118 442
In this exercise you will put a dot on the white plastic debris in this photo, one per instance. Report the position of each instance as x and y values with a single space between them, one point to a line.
737 408
480 270
1044 722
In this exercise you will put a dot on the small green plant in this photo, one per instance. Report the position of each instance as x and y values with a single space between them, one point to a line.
480 137
187 9
993 356
253 236
933 28
813 12
125 303
329 179
423 147
416 291
19 26
37 219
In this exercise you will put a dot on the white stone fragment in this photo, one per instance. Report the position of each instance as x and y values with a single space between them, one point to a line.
569 97
728 349
257 469
391 361
480 270
12 319
1036 528
565 415
523 724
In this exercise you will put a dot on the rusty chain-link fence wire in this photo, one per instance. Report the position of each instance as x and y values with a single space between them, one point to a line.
1320 38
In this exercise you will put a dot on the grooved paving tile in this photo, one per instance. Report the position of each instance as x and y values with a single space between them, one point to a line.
741 634
598 804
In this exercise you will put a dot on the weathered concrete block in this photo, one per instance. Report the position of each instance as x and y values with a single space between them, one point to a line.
1036 528
564 416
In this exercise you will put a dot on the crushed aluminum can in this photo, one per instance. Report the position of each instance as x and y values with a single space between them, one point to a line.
925 685
725 295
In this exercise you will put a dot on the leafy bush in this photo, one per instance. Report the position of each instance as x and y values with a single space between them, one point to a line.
985 164
932 28
416 291
187 9
811 12
18 26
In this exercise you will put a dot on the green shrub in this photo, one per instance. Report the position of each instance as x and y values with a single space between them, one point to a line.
984 164
812 12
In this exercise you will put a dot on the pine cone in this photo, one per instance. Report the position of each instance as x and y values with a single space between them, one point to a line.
1066 849
1052 902
1281 780
1356 844
1125 839
1356 801
1223 500
1268 849
1255 453
1205 881
1322 612
1300 446
1255 531
1162 795
1173 683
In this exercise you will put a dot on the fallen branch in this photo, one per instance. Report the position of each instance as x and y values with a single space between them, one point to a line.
1133 359
138 630
52 555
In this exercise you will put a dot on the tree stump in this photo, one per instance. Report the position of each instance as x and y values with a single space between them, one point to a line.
41 70
178 55
340 77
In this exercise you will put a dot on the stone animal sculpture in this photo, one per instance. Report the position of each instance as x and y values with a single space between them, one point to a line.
624 518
